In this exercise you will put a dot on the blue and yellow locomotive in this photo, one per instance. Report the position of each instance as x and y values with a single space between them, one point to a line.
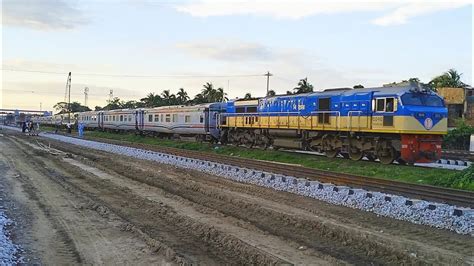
403 123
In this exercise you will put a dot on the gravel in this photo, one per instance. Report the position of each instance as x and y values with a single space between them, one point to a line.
443 216
8 250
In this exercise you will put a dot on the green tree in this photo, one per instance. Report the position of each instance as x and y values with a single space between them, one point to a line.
182 96
168 98
97 108
151 100
248 96
129 104
113 104
359 86
451 78
220 95
303 86
271 93
62 107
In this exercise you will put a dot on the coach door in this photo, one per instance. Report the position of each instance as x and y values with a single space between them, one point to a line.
100 120
139 119
206 119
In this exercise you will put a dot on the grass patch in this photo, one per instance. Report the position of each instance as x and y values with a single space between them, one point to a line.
410 174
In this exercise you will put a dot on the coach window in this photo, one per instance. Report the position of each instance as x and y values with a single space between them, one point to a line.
150 118
168 118
121 118
162 119
175 117
157 118
129 118
201 119
187 119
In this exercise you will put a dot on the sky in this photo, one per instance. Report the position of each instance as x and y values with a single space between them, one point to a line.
135 47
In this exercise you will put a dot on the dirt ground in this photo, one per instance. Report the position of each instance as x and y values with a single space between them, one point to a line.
74 205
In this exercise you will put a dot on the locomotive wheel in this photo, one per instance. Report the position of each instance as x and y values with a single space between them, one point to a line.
355 154
387 155
331 153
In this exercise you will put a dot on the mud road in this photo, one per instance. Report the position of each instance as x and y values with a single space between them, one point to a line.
73 205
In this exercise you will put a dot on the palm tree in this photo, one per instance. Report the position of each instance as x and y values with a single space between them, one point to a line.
221 96
451 78
209 92
303 86
271 93
151 100
182 96
168 98
248 96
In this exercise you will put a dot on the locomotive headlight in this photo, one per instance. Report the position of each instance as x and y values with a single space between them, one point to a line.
420 115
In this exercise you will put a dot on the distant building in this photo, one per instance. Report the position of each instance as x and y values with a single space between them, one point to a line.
460 104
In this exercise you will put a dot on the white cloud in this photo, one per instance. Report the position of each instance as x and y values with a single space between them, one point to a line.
402 14
398 11
279 9
228 51
42 14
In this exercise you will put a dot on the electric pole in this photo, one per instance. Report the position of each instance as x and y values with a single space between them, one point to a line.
68 87
268 74
86 94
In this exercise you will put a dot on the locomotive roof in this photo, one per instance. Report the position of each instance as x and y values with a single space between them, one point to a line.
390 90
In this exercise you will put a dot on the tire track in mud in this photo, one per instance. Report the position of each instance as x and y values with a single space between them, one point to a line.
161 220
362 246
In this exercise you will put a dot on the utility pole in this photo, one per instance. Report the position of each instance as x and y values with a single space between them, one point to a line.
86 95
68 86
41 106
268 74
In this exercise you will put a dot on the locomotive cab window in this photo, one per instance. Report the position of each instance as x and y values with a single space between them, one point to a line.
386 105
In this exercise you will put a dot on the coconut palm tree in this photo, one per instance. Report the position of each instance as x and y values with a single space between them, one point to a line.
303 86
168 98
151 100
221 96
451 78
182 96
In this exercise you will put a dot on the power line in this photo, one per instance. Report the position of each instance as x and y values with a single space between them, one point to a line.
133 76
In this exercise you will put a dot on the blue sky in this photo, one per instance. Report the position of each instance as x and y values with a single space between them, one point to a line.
334 44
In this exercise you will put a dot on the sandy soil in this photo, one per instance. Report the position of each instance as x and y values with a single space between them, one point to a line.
74 205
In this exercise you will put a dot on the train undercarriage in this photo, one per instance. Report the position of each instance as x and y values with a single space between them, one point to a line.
387 148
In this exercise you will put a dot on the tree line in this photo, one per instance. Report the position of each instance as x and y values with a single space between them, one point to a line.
209 94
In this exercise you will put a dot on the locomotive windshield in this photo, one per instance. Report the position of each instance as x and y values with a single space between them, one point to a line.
422 99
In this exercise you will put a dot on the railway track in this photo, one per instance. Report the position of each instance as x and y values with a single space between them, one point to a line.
415 191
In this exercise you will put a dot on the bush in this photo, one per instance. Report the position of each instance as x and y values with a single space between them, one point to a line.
461 180
460 137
